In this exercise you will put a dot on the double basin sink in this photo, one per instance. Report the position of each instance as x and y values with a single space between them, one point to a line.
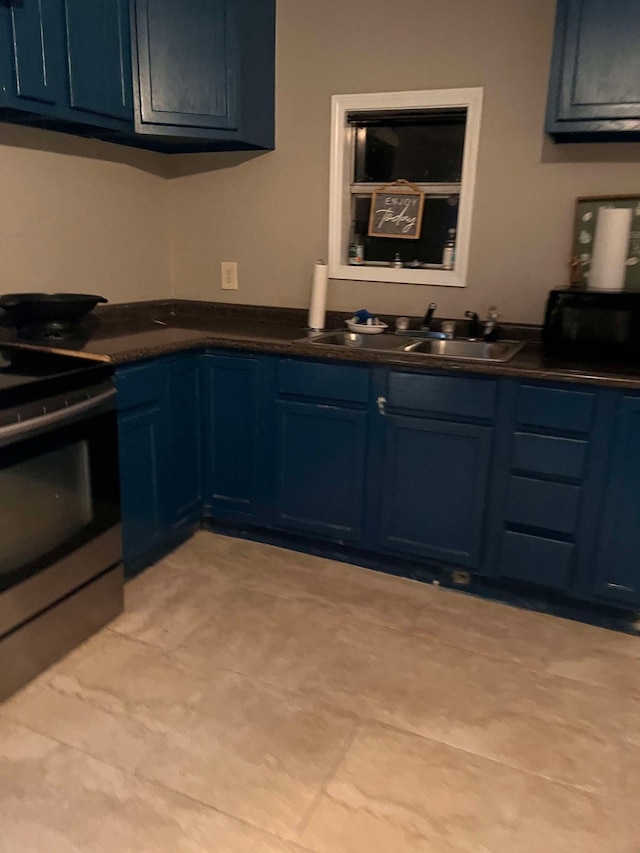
474 350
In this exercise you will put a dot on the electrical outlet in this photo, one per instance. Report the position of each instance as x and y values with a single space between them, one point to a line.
229 275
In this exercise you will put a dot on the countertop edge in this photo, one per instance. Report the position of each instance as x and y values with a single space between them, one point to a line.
512 369
281 332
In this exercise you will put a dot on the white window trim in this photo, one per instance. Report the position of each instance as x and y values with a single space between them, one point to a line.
341 170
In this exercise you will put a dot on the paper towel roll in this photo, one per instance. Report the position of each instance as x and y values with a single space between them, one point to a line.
318 303
610 248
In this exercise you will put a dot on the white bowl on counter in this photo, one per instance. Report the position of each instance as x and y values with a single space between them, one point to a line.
362 329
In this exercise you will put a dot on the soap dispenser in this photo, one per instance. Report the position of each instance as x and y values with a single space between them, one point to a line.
491 328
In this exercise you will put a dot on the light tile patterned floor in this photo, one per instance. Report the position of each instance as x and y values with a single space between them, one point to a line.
254 700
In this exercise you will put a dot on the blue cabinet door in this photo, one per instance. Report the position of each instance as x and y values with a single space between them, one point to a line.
184 442
99 60
549 475
67 61
204 70
320 469
142 436
618 551
433 488
594 86
234 463
159 419
196 76
32 71
187 63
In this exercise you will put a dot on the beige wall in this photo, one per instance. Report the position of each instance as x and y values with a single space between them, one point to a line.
81 216
270 213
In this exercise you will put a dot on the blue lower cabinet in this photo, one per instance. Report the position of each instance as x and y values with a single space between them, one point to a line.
524 482
141 439
537 559
234 434
617 562
548 479
142 435
545 505
434 488
160 451
320 469
184 451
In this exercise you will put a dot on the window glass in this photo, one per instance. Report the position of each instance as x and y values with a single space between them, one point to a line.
439 216
415 145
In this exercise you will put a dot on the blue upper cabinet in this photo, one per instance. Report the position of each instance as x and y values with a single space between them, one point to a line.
32 74
66 61
99 59
594 89
185 64
204 73
196 76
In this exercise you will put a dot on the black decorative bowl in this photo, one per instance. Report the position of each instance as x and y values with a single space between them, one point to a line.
28 309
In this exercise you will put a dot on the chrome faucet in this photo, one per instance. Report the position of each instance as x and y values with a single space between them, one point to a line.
426 323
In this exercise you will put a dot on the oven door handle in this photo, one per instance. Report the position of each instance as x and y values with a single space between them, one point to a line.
12 433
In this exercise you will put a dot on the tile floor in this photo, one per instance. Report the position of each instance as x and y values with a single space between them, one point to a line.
254 700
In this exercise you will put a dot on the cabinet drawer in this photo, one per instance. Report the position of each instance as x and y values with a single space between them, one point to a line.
555 408
141 385
447 395
549 455
323 381
536 503
536 560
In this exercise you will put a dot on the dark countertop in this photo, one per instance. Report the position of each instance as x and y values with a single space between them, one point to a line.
120 334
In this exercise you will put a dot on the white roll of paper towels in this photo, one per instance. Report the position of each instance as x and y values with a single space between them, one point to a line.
318 302
610 248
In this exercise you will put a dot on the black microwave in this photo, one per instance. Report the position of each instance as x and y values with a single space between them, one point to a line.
599 325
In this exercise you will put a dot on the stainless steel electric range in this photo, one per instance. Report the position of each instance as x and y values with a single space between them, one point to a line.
60 540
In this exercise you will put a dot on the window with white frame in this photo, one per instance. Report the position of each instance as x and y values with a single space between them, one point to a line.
428 142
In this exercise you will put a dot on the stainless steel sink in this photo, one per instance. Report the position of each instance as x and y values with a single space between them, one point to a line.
353 340
476 350
458 349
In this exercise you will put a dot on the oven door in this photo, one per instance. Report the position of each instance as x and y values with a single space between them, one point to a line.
59 503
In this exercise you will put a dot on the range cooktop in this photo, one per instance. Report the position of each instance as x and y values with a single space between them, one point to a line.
27 375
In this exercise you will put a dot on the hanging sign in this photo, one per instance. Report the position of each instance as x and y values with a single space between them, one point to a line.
396 211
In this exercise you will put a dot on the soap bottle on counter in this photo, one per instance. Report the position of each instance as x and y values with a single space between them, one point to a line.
491 329
449 251
397 261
